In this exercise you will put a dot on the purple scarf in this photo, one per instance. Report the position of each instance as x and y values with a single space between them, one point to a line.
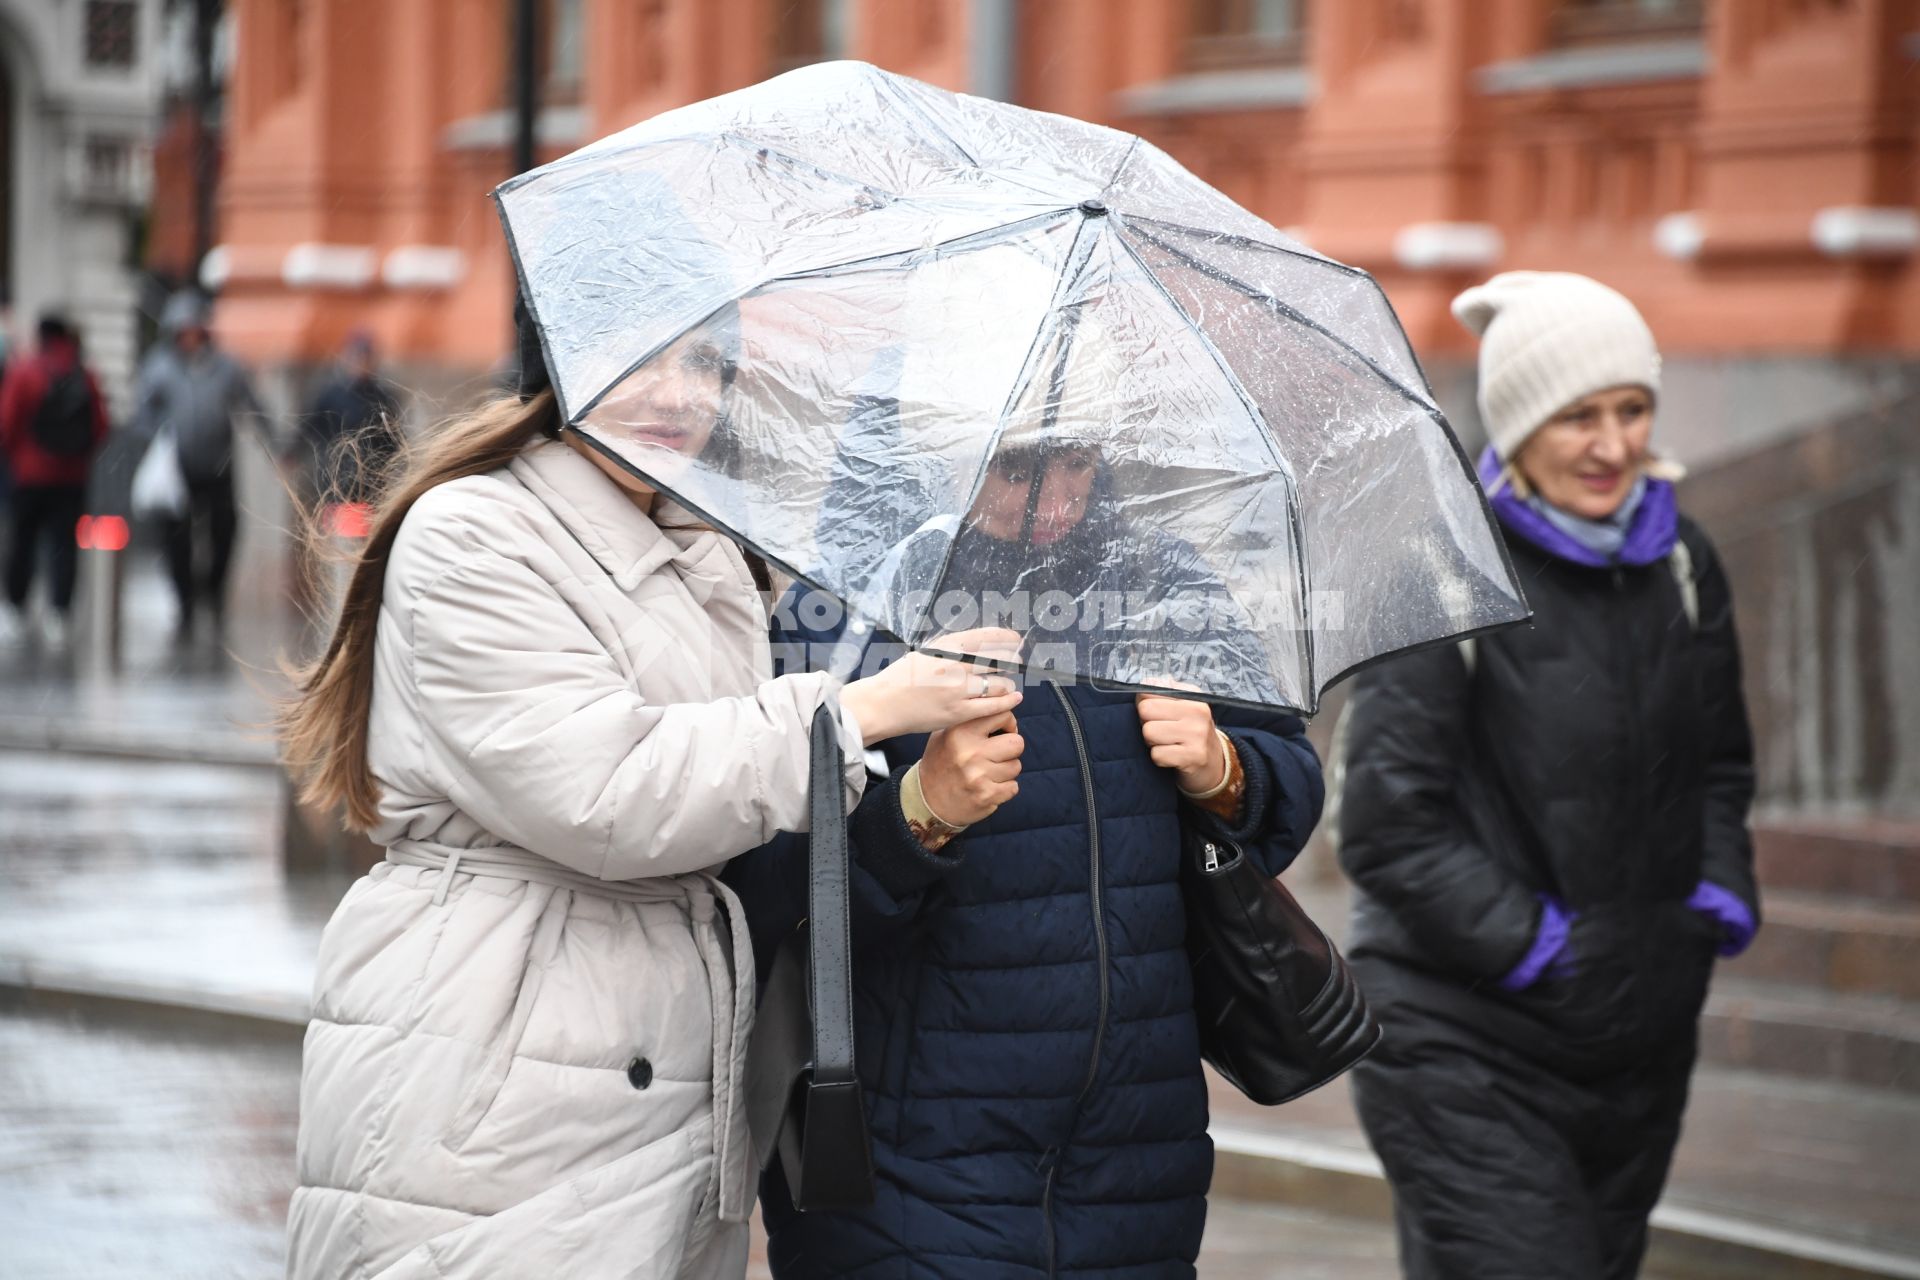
1649 539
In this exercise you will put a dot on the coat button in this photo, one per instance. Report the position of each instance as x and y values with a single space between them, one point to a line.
639 1073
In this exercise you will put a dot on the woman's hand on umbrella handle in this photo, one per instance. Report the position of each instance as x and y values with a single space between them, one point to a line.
922 693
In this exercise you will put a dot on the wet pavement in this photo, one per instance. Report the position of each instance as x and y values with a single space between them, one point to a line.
135 1146
222 684
116 873
154 875
141 1145
159 1143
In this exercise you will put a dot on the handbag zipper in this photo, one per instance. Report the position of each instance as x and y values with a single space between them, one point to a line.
1052 1158
1052 1162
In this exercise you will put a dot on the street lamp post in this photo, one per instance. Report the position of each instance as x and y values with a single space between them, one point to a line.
526 82
206 16
526 99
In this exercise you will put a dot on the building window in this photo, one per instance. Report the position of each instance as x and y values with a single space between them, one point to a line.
560 50
1245 33
1596 21
110 33
807 31
563 25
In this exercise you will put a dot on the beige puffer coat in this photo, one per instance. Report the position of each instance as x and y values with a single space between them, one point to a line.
531 1071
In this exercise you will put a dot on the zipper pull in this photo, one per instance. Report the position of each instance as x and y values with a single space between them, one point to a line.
1212 852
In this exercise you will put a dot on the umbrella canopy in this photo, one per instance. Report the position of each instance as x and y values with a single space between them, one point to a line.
957 362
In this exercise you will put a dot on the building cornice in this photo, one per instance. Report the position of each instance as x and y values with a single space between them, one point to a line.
1262 89
1601 66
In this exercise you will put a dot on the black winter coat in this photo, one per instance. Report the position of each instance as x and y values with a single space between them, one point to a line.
1601 756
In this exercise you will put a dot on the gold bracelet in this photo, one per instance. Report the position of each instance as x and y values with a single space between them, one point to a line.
928 827
1226 776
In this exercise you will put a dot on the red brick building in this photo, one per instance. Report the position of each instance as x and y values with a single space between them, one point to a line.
1744 168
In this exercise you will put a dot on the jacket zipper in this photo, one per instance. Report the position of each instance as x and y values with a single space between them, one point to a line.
1634 813
1051 1160
1631 678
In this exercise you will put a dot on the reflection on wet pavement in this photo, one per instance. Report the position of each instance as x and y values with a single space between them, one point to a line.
167 871
130 1146
225 685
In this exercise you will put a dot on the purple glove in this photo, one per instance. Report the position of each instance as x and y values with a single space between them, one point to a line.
1549 956
1724 908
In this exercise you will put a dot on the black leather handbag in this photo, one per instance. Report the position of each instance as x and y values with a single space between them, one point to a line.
1279 1011
803 1097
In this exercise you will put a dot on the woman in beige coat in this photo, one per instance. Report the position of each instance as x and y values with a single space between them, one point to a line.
549 696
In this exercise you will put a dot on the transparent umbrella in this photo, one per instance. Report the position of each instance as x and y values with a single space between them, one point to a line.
958 363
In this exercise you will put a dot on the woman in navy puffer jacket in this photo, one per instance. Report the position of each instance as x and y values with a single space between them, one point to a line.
1024 1014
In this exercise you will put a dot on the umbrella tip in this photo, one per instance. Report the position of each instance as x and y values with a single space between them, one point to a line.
1095 208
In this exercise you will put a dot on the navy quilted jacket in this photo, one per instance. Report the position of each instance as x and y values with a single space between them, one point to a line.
1024 1019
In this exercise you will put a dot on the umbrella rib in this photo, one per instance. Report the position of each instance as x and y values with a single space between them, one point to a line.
1220 361
526 297
1317 259
598 151
806 273
739 139
1263 296
726 133
893 83
1007 229
889 83
1121 168
1313 259
1304 584
1076 259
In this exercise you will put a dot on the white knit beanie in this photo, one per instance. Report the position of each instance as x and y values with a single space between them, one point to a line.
1548 338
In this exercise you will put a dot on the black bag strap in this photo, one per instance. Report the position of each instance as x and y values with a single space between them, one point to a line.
829 956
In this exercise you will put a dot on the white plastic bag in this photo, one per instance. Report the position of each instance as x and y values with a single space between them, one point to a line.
159 487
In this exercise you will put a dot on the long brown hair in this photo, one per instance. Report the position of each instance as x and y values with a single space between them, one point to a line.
323 726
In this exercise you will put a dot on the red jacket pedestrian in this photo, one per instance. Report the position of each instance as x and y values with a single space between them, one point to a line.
53 421
27 382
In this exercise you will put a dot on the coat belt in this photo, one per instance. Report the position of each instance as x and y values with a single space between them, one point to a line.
728 960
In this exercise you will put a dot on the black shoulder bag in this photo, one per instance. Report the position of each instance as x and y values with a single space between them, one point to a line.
803 1097
1279 1012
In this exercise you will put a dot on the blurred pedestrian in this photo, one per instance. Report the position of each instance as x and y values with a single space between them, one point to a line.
549 695
189 386
1547 826
7 356
350 433
53 421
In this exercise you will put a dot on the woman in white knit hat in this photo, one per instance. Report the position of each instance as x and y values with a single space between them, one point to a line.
1547 826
